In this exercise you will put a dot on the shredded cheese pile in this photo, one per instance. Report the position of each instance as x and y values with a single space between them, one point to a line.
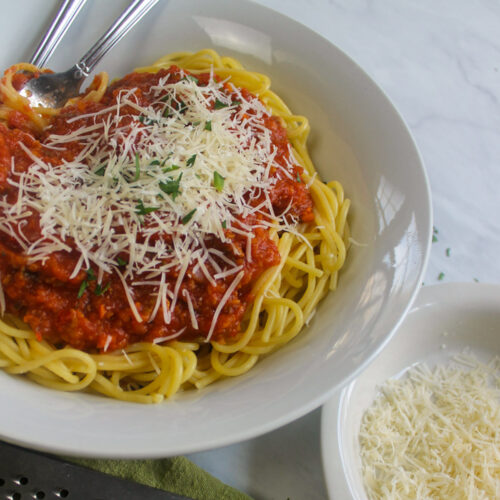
435 434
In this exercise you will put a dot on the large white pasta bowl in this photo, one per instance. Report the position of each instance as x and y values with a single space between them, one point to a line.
357 138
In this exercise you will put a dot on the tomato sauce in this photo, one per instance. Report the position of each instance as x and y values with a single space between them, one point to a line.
79 312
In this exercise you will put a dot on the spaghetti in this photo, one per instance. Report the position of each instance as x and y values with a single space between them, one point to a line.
159 233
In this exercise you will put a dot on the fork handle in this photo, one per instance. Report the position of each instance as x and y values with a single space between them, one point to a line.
65 15
116 32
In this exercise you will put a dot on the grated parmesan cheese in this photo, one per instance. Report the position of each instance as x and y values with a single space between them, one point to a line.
435 434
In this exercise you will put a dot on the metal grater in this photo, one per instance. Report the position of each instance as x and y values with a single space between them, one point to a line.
28 475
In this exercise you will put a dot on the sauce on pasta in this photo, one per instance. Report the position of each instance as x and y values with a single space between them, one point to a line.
47 298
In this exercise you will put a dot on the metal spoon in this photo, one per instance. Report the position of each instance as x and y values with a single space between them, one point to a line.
52 90
66 13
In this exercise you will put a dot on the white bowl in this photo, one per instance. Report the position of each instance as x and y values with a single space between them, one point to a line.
446 320
358 138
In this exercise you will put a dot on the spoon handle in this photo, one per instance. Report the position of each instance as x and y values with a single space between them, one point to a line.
121 26
66 13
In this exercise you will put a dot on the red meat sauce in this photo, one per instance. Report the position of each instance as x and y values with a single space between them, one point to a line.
47 299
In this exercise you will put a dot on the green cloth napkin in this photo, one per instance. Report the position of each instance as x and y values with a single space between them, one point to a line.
177 475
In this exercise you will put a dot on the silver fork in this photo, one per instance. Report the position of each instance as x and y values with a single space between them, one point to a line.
52 90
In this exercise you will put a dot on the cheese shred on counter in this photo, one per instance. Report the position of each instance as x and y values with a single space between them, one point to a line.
435 434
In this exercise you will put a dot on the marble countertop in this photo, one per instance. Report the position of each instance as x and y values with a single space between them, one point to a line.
439 62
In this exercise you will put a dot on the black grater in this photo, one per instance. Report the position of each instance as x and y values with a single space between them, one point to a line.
29 475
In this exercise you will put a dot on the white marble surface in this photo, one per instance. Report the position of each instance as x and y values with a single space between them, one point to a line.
439 62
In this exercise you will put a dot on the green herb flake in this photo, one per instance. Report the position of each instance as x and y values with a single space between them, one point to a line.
171 168
182 106
140 209
476 280
224 224
441 276
121 262
219 104
218 181
235 103
171 187
137 167
448 252
100 170
90 274
145 120
208 125
434 238
82 288
188 216
154 162
85 283
195 124
191 161
99 290
190 77
298 178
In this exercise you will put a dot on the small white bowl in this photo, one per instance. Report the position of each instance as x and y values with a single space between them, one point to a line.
446 320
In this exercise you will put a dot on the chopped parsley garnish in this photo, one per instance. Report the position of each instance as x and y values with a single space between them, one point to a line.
218 181
171 168
441 276
191 161
235 103
162 164
177 105
171 186
208 125
85 283
435 232
224 224
298 178
145 120
182 106
121 262
219 104
188 216
100 290
190 77
137 167
90 274
82 288
140 209
154 162
448 252
100 171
